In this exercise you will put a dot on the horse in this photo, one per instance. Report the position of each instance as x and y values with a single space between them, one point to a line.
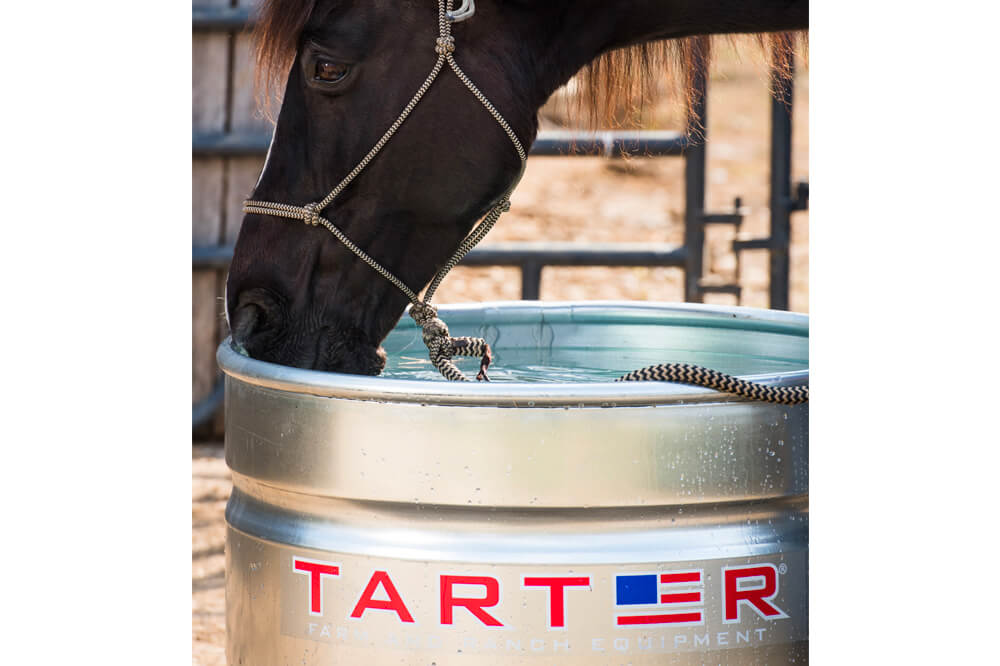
298 295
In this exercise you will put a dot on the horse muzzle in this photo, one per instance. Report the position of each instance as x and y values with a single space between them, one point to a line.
262 329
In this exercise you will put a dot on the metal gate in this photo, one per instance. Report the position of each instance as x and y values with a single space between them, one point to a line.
234 142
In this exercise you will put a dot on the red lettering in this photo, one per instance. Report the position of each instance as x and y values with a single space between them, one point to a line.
315 571
557 593
758 597
394 603
475 606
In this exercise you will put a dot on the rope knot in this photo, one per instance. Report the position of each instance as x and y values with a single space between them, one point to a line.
311 214
435 332
444 45
423 313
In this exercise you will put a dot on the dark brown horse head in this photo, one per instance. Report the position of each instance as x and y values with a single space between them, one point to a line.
295 294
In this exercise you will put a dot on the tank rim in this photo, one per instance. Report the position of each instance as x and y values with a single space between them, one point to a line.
523 394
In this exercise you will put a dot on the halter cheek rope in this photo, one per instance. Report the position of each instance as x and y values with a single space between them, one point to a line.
440 345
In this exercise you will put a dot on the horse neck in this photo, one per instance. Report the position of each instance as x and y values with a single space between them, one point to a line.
584 29
637 21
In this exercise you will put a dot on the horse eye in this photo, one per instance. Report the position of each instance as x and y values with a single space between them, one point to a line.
329 71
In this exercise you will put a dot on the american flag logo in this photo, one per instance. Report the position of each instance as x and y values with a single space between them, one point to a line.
675 598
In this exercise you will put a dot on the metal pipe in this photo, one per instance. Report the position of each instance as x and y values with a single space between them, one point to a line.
551 143
531 280
639 143
694 182
570 253
781 186
751 244
207 257
220 19
550 253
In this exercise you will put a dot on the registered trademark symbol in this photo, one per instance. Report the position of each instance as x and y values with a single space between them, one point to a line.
782 568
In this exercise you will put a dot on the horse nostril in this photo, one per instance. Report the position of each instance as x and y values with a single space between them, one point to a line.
244 321
255 320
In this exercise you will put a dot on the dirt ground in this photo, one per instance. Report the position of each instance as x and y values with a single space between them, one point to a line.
585 199
210 488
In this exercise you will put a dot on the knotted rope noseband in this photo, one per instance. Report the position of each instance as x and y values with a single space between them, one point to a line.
440 345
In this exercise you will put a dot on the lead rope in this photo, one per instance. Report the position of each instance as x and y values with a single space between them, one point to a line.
441 346
684 373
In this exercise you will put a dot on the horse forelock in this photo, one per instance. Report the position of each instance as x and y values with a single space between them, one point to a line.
277 27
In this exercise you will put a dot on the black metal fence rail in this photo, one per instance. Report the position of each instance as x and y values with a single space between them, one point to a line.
220 19
552 143
532 257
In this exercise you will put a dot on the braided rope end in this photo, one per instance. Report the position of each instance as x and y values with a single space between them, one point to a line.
466 346
484 364
442 347
695 375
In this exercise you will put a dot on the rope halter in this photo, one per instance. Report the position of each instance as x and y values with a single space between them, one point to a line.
440 345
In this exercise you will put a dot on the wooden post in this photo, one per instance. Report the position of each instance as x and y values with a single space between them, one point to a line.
211 55
242 172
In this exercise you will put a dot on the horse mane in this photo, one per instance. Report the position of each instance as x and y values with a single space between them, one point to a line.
626 77
629 77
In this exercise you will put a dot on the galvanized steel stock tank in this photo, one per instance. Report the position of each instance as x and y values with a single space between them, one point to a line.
410 520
